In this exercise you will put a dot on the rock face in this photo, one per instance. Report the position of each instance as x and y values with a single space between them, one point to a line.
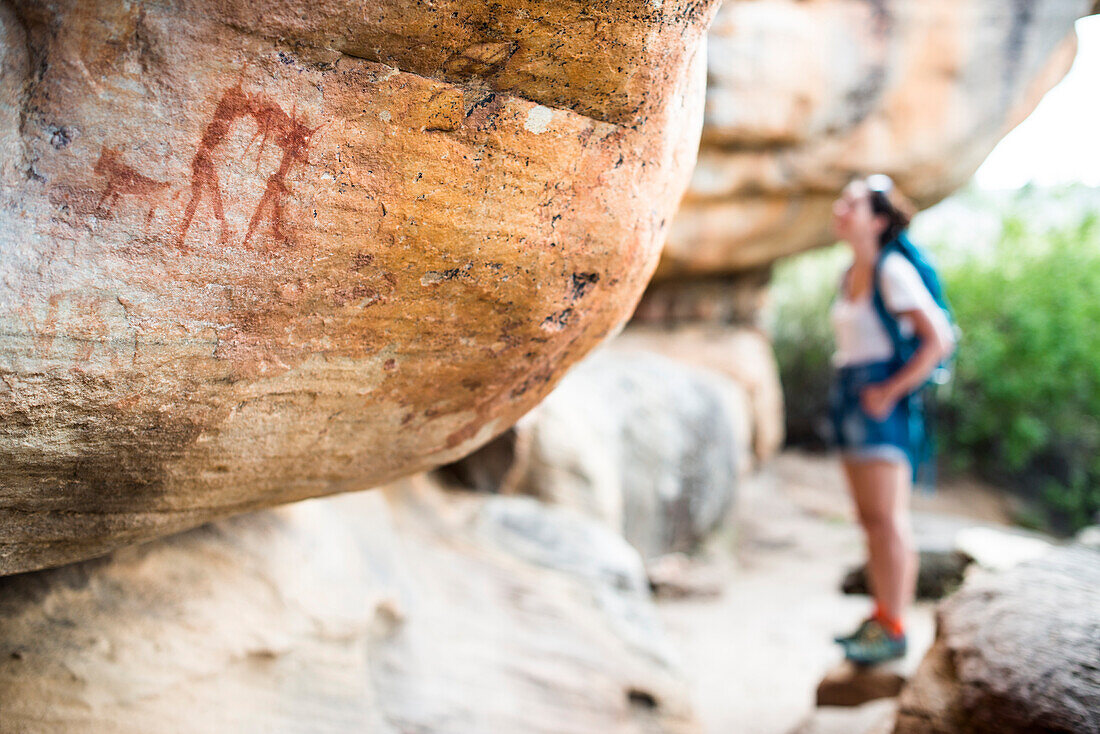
1016 651
741 353
728 299
401 610
803 95
256 252
647 445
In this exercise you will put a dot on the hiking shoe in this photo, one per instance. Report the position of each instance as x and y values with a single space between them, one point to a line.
842 639
874 645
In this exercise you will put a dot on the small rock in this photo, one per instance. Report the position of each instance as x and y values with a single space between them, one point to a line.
853 685
941 572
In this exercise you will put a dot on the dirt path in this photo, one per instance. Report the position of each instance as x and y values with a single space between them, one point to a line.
756 654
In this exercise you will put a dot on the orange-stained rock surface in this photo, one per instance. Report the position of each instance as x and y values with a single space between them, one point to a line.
256 252
803 95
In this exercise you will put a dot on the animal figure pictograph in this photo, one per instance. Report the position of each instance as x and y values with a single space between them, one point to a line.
122 180
285 131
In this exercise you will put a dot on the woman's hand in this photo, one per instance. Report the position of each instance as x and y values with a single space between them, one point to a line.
878 400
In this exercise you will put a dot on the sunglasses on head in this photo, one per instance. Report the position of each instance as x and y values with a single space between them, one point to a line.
879 183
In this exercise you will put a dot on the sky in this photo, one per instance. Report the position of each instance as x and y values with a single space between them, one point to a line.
1059 143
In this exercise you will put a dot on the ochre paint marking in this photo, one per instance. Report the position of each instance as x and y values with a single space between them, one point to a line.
122 180
285 131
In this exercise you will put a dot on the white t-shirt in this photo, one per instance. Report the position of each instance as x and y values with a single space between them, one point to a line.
860 335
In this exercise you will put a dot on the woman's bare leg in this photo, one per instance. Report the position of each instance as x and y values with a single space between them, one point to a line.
881 492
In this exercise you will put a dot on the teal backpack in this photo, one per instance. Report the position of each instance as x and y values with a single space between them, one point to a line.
905 347
922 450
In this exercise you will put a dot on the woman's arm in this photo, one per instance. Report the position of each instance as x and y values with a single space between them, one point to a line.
878 400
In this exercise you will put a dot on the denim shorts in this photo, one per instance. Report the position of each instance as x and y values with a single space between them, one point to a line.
897 437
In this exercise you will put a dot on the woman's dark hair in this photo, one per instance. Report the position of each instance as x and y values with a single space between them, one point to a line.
891 203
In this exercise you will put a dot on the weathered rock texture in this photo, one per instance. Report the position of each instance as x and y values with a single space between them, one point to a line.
851 685
715 322
1015 651
730 299
741 353
804 94
394 611
256 252
940 573
646 445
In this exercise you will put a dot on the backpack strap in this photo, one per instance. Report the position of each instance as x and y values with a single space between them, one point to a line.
921 449
902 349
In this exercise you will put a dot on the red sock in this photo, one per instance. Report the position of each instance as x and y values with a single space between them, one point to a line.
893 625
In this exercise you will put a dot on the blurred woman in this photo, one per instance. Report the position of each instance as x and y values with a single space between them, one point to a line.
876 414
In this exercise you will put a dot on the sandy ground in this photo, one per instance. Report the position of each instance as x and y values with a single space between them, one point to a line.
755 654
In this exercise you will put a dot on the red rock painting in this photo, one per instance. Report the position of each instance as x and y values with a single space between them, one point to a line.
283 130
122 180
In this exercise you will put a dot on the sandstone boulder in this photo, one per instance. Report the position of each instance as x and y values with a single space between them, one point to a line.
1015 651
256 252
402 610
645 444
804 94
726 299
741 353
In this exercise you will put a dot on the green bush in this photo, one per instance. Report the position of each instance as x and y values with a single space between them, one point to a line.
1024 407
